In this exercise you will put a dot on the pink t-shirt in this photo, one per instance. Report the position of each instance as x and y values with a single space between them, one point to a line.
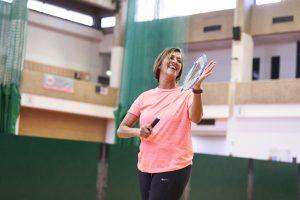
169 147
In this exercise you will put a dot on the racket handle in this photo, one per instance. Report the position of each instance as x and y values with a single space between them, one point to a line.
155 122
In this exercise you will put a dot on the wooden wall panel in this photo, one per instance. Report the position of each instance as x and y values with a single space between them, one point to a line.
254 92
268 92
50 124
50 69
84 91
215 94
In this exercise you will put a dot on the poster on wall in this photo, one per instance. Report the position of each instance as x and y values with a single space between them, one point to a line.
58 83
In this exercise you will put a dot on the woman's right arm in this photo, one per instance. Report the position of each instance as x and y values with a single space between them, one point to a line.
125 129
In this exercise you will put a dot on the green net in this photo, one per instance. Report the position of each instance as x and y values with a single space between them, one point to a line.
13 23
143 42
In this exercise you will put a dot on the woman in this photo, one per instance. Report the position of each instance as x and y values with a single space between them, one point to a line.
166 152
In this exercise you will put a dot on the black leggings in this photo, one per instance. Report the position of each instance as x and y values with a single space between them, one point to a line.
164 186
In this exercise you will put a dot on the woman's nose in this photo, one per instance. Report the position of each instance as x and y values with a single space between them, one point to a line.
174 61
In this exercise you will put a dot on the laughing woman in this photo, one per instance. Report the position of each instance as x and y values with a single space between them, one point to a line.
166 151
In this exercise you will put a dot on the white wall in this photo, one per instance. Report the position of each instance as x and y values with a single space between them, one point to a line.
210 139
106 44
287 53
110 131
65 44
105 49
261 138
255 131
221 56
265 138
215 145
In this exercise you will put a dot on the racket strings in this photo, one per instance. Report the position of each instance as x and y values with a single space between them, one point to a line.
195 72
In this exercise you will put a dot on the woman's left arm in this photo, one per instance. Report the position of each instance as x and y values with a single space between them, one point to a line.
196 109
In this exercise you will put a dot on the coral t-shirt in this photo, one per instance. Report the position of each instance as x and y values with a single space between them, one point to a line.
169 147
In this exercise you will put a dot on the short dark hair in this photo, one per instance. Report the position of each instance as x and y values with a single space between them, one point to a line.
158 61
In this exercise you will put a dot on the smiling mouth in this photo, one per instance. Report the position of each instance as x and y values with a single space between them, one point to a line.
172 67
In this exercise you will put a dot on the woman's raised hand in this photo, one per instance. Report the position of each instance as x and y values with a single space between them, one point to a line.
207 72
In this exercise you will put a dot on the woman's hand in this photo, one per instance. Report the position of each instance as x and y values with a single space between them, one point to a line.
207 72
145 131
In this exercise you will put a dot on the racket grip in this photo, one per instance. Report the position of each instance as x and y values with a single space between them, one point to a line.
155 122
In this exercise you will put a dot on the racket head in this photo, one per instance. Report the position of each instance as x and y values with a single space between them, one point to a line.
195 72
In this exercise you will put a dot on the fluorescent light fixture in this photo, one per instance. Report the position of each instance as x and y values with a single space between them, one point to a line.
8 1
35 5
54 11
107 22
261 2
149 10
80 18
190 7
60 12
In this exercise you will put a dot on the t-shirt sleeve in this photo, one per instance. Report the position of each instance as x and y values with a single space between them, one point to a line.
136 106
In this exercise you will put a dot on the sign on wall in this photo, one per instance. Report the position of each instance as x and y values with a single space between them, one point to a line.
58 83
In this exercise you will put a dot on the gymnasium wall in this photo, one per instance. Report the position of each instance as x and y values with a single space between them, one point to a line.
65 44
37 168
68 45
262 15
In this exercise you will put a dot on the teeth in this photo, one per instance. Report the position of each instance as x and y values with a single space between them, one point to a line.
172 67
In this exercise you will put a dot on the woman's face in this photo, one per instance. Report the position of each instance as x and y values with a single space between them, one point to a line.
171 65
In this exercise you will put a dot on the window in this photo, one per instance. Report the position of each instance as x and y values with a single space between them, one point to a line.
261 2
275 67
8 1
255 68
60 12
147 10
